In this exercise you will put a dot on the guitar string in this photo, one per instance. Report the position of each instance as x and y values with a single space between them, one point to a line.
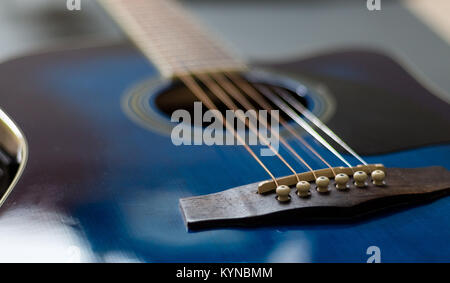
187 77
312 119
190 81
195 88
316 136
200 39
247 88
198 91
216 89
299 120
232 90
222 91
322 141
316 121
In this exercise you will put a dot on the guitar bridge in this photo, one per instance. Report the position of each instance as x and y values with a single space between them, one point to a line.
256 204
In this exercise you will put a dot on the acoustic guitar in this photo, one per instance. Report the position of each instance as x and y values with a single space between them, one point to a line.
91 171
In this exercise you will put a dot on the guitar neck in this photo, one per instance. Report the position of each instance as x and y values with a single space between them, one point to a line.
170 38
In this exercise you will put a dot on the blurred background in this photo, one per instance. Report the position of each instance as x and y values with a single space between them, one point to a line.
414 31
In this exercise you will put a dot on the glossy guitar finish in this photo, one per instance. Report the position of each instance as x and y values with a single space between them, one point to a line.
98 187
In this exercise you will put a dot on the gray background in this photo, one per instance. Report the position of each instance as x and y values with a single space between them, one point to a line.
257 29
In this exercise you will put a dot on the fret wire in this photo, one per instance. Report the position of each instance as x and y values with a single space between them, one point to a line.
163 31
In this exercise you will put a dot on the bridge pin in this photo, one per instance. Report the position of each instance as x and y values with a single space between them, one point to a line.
378 178
341 181
360 178
322 184
303 189
283 193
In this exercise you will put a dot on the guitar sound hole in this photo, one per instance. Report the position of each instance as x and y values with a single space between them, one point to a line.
178 96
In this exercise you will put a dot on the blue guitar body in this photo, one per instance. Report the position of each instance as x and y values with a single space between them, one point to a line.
100 186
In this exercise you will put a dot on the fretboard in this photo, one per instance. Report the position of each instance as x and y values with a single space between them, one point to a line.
170 38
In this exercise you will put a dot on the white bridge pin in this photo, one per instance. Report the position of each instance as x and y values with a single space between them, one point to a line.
322 184
341 181
283 193
303 189
360 178
378 178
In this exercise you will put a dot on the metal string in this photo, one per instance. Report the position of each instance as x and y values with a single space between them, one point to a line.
299 120
215 88
195 88
316 121
236 93
190 81
262 102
